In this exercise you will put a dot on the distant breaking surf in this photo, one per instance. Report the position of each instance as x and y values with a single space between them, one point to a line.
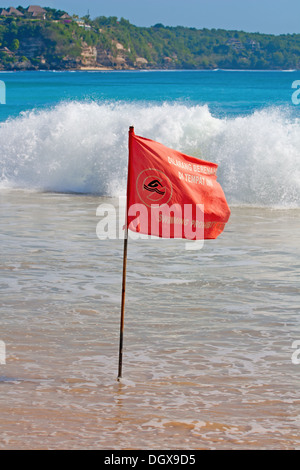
80 147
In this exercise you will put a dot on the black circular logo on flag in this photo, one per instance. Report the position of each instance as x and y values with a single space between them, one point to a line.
154 187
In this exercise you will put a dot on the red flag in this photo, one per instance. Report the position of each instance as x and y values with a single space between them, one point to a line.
172 195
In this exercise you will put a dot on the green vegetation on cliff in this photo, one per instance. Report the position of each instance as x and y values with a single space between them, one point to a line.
55 40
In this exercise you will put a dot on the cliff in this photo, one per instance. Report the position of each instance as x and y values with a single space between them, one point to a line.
57 41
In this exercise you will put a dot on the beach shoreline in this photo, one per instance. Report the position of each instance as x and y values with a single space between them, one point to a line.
208 337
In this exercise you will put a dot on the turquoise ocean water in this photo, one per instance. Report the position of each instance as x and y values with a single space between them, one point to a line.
229 93
210 334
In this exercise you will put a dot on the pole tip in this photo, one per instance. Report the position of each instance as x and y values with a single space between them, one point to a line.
131 129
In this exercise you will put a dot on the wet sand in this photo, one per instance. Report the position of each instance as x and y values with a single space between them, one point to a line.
208 334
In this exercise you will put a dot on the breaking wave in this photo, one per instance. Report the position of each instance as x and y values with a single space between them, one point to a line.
82 147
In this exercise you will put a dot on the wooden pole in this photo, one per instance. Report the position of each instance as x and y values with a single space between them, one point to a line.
123 305
131 131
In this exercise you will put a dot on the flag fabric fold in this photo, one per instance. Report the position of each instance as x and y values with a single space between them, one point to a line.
173 195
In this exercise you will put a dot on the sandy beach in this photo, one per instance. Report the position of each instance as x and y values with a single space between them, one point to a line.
208 337
99 69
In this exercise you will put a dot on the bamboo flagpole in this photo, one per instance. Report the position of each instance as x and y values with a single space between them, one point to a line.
131 132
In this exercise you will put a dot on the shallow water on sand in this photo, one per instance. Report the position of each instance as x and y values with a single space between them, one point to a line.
208 334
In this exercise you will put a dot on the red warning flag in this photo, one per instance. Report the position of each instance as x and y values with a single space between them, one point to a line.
172 195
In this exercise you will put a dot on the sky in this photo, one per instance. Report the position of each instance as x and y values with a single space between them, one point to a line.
264 16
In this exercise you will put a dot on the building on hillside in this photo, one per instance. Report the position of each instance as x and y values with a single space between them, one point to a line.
80 23
235 44
14 12
4 13
37 12
65 16
255 46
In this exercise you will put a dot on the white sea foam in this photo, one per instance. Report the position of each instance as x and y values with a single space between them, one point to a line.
82 147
